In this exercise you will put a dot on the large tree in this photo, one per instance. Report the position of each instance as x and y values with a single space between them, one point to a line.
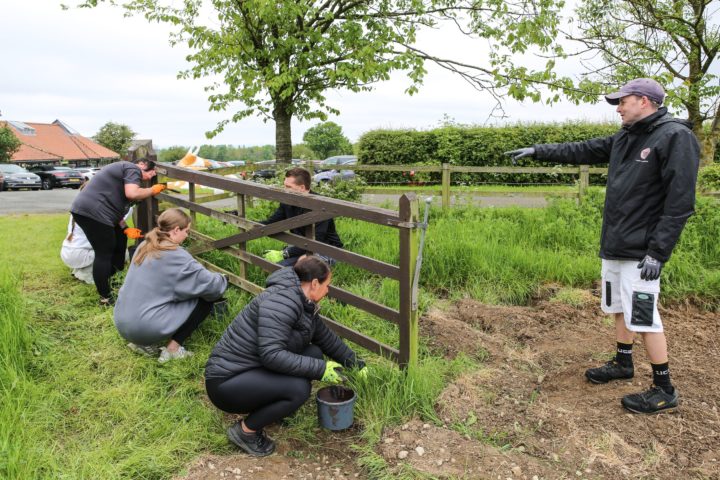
9 144
278 58
673 41
115 136
327 139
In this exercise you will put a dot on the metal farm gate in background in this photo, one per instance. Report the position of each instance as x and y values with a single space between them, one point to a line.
319 208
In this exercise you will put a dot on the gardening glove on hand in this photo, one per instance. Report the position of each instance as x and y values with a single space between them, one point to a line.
157 188
133 233
331 374
520 153
362 370
273 256
650 268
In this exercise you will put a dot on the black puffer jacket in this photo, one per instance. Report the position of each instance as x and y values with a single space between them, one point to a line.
325 231
653 166
272 330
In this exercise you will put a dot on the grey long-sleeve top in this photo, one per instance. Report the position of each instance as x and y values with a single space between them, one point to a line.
159 295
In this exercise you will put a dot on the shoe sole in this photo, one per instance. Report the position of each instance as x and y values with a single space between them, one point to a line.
602 382
238 441
662 410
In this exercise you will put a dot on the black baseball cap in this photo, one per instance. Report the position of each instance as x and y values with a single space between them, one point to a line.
642 87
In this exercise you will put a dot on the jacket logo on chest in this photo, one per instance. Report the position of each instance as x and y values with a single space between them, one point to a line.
644 153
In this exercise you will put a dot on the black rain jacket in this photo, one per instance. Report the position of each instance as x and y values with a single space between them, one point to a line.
324 231
653 167
272 331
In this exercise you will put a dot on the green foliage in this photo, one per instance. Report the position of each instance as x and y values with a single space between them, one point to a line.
342 189
226 153
327 139
303 152
9 144
115 136
709 178
470 146
657 39
172 154
222 153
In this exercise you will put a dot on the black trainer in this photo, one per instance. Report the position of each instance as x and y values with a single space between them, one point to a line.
654 400
256 444
612 370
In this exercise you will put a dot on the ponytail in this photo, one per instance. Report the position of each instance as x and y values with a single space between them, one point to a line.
158 239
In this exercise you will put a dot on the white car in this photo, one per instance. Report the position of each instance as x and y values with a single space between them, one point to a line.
87 172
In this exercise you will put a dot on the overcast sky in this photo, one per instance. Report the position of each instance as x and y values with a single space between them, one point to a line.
90 66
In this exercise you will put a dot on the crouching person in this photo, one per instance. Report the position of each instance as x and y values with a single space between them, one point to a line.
167 293
265 361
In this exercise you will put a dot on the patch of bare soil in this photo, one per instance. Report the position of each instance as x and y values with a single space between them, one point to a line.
533 396
445 453
329 458
528 413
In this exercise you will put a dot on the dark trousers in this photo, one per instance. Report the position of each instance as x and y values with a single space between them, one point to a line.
267 397
199 313
109 244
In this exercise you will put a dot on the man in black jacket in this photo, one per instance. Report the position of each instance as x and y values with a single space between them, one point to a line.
298 180
653 164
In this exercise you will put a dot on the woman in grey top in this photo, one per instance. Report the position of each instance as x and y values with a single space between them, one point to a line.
166 293
99 209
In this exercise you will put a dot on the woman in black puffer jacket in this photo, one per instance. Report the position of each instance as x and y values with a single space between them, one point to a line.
264 362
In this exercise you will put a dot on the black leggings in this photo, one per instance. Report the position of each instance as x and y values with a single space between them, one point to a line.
267 397
199 313
109 244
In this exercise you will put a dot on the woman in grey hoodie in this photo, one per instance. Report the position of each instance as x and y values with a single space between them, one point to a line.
167 293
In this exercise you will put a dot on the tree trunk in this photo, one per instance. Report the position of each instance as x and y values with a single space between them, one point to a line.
283 134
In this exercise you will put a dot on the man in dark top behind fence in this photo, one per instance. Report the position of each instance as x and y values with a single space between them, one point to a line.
653 165
299 180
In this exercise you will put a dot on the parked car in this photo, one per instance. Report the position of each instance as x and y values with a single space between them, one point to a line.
16 177
267 173
53 176
87 172
330 169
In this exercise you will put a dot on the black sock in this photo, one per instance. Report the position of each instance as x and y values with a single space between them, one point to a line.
661 376
623 354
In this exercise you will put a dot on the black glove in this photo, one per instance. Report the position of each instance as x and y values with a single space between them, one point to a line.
520 153
650 268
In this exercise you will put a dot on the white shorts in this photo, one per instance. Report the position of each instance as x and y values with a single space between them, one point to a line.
623 291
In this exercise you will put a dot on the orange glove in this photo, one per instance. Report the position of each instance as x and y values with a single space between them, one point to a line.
133 233
157 188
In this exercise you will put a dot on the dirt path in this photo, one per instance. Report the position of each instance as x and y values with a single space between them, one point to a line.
528 412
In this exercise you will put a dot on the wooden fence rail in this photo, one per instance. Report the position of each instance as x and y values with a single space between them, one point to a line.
447 170
405 220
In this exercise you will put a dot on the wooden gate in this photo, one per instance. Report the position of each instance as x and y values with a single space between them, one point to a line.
319 208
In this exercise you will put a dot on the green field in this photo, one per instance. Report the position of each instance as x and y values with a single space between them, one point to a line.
76 403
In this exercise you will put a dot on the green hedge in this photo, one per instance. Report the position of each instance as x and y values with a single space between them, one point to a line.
470 146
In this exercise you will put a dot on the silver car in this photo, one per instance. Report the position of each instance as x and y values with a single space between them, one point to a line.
17 177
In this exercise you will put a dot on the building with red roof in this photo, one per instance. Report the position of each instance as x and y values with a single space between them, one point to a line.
56 143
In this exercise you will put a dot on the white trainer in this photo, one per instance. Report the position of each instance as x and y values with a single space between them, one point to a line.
148 350
166 355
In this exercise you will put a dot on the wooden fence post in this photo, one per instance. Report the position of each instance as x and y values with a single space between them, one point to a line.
191 197
147 212
583 181
242 246
409 243
446 185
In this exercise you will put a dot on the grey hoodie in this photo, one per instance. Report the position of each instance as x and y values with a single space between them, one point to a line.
159 295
